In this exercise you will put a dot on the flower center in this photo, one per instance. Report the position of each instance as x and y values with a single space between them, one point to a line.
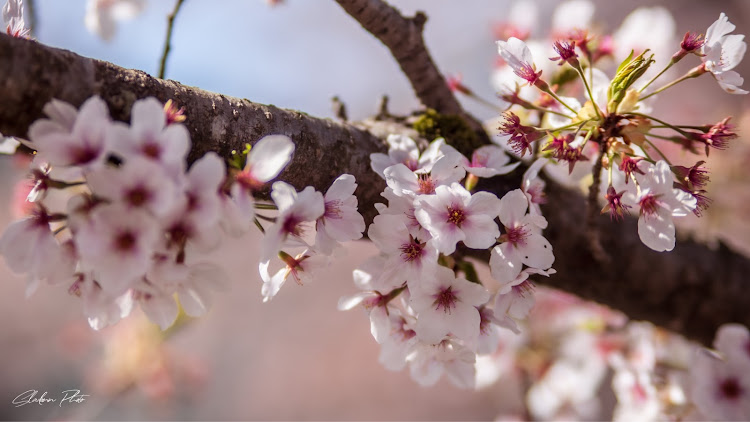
516 235
247 181
426 184
333 209
649 204
137 196
84 154
151 150
125 241
456 215
292 226
446 299
412 250
731 389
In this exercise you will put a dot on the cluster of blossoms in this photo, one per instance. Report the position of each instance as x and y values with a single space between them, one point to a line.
612 135
114 212
426 304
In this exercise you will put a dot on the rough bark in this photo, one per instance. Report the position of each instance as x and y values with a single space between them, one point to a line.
692 290
403 37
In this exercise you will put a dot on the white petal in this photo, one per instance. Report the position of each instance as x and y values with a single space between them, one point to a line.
512 207
537 252
269 156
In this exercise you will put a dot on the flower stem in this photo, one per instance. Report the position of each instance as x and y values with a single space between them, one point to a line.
643 88
693 73
265 206
588 89
553 95
659 151
259 226
673 127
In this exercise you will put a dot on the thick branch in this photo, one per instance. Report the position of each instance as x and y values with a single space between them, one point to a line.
31 74
692 290
403 37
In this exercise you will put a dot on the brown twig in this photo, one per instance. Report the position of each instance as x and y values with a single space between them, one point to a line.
168 39
403 37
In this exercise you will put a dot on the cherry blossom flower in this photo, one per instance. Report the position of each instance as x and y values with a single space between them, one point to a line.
488 161
401 150
340 221
720 389
428 363
522 241
399 342
29 246
148 136
302 268
453 215
446 305
733 341
722 52
518 56
157 302
85 144
101 15
137 183
266 160
514 305
409 259
117 246
404 182
659 202
403 206
533 186
202 186
295 209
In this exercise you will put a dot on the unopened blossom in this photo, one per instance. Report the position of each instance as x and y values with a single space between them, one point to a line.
518 56
117 245
302 268
84 144
149 137
453 215
341 222
102 15
295 210
409 259
489 161
137 183
722 52
428 363
446 304
522 242
659 202
404 182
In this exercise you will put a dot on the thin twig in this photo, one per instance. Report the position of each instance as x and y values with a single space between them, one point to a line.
592 208
168 40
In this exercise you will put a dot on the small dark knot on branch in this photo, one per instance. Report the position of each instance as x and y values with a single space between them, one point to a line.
419 20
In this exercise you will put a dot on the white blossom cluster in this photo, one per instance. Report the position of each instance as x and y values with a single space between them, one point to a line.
426 306
119 217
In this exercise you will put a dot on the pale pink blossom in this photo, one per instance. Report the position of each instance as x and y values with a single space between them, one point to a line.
409 259
404 182
101 308
148 136
453 215
303 269
85 144
341 222
522 240
295 210
722 52
514 306
428 363
518 56
720 388
489 161
446 304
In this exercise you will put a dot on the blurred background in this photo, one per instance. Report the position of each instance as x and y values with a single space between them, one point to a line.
297 357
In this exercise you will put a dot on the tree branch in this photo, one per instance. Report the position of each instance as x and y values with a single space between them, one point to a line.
691 290
403 37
